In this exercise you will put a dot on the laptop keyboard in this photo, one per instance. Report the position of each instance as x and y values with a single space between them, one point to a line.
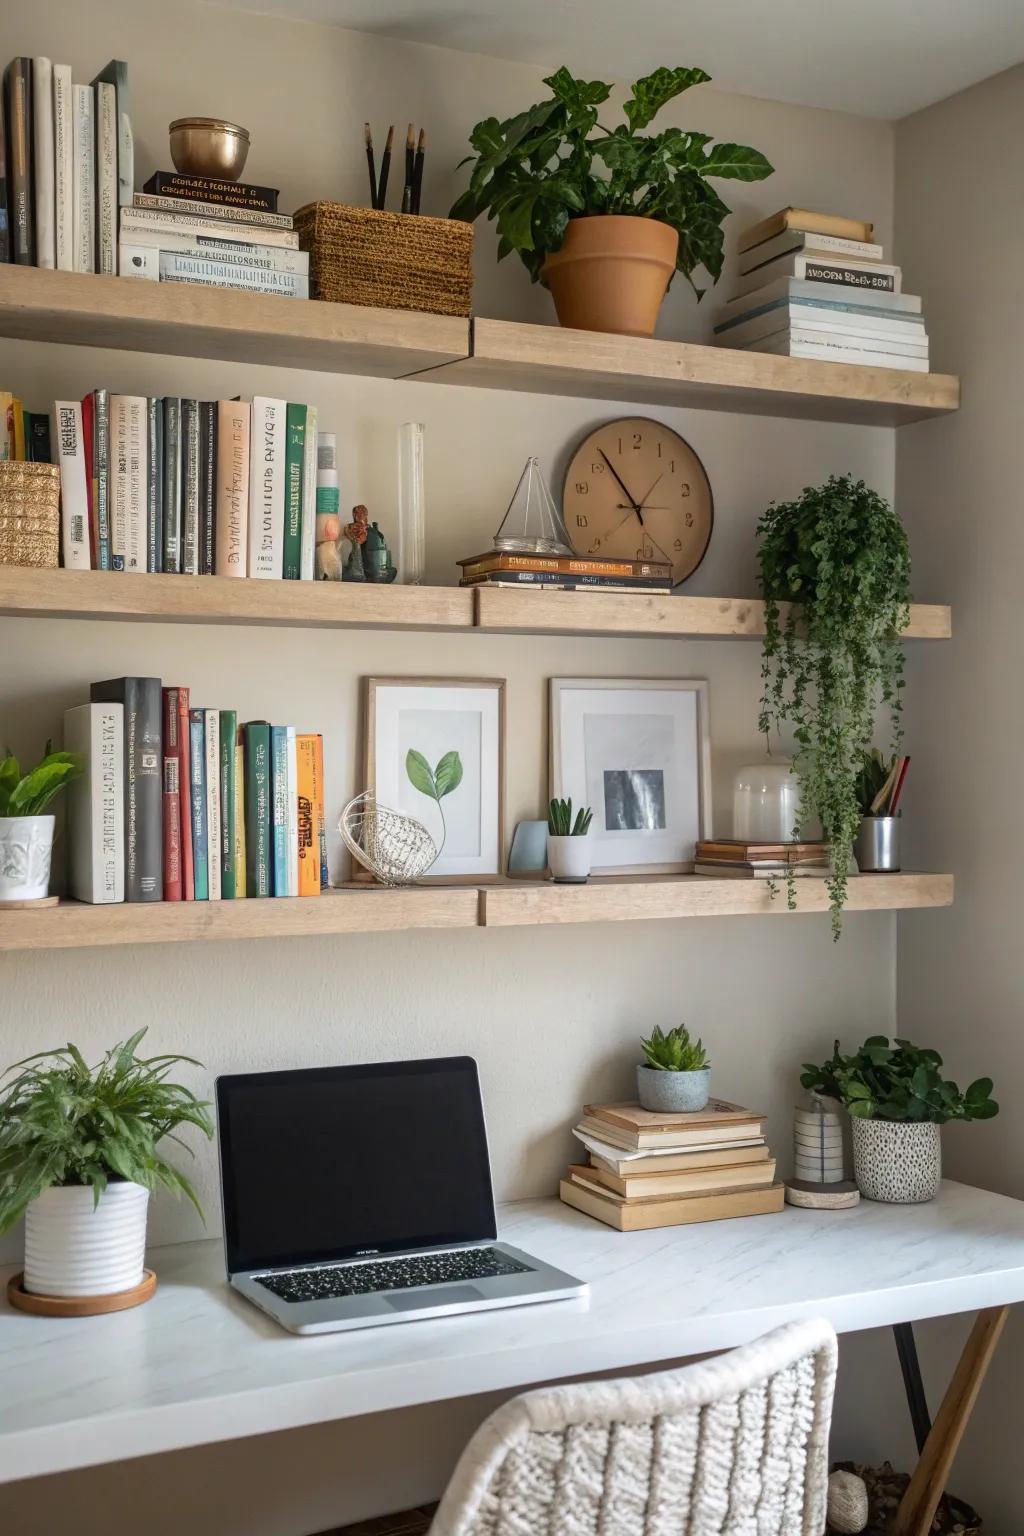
330 1280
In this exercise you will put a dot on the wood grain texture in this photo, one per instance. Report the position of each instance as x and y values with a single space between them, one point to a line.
79 1306
545 359
183 320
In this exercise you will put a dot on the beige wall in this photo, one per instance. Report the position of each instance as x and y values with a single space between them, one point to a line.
552 1016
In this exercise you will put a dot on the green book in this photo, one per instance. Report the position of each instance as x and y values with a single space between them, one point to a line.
228 737
294 458
258 828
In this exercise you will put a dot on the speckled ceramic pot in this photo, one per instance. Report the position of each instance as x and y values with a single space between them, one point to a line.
674 1092
898 1164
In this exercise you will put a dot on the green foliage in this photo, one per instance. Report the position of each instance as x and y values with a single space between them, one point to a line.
874 773
555 162
31 793
674 1052
839 556
63 1122
561 824
898 1082
437 782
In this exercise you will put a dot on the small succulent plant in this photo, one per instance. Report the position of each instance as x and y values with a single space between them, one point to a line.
560 820
674 1052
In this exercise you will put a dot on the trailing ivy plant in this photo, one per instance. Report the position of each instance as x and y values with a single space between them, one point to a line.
838 557
555 162
899 1082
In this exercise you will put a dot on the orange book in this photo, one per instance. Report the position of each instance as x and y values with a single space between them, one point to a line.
309 832
321 816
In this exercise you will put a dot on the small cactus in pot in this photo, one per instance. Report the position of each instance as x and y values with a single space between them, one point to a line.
568 842
675 1074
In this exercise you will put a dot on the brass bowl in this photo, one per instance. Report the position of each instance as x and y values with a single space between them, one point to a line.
207 146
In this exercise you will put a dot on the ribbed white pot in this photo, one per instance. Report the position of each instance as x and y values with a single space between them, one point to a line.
74 1249
26 843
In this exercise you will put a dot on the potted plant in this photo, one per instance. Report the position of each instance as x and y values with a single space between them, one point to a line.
605 217
837 558
897 1099
79 1156
568 844
877 844
676 1075
26 832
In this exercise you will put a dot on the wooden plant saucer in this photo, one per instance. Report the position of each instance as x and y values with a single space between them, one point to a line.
78 1306
33 902
822 1197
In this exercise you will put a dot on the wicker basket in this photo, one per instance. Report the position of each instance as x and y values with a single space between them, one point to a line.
389 260
29 514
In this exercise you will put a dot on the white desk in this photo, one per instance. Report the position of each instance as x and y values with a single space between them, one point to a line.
198 1364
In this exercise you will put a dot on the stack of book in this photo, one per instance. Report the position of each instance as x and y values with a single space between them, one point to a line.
223 234
736 859
815 285
498 568
180 803
651 1169
197 487
66 165
667 1169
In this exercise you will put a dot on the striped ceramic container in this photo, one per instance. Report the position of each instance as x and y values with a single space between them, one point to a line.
74 1249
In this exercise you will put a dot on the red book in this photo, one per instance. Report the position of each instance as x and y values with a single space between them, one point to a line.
172 795
188 889
89 444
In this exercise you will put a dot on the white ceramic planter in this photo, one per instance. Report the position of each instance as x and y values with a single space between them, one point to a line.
26 843
74 1249
675 1092
898 1164
569 857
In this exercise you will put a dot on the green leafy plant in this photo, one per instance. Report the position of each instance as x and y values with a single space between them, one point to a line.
63 1122
29 794
674 1052
561 824
555 162
875 773
437 782
838 557
899 1082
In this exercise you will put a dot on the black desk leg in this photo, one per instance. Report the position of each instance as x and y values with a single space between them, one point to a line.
906 1348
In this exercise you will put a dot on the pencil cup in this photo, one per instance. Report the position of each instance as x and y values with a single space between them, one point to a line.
877 847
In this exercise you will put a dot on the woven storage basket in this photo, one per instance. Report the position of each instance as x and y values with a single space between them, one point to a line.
29 513
389 260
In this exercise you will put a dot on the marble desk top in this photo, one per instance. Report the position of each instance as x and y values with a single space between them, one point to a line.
199 1364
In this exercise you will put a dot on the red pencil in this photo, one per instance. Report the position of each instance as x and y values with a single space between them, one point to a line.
894 798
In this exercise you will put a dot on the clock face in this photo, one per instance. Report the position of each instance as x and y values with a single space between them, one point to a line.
634 490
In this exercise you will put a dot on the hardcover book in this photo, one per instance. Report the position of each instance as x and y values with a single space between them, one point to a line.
5 231
239 843
307 800
163 228
91 486
154 484
129 481
106 178
172 484
644 1215
172 797
74 495
116 74
205 189
220 212
43 161
177 268
143 778
232 510
228 811
307 541
279 803
96 803
178 700
21 203
266 488
211 727
190 457
101 470
207 486
142 253
83 179
63 169
259 858
197 783
294 474
565 565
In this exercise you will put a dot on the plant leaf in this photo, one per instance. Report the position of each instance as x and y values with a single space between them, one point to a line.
420 773
737 162
576 93
448 774
652 92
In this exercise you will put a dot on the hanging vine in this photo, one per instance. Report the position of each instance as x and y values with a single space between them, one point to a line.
838 557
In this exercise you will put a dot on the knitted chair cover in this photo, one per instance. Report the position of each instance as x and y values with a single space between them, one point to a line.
731 1446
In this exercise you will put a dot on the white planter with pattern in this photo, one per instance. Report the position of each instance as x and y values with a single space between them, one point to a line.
76 1248
896 1163
26 843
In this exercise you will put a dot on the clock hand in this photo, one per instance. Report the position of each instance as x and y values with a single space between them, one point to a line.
618 525
625 492
643 499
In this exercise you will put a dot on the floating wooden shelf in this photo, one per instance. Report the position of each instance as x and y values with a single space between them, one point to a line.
507 904
344 605
546 360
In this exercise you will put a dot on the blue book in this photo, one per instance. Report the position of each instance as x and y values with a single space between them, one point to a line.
197 785
279 807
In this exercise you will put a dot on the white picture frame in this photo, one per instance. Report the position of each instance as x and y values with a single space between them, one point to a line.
649 813
436 715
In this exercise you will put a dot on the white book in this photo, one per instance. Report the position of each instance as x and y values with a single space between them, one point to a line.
292 813
795 241
794 289
129 488
74 499
840 272
106 178
115 73
839 353
195 208
96 803
83 180
307 543
211 737
141 224
42 161
63 169
779 316
266 488
825 337
141 258
177 268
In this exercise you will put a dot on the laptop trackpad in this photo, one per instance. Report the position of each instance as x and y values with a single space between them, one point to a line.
433 1296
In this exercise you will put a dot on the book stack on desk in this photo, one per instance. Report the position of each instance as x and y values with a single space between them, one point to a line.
658 1169
737 859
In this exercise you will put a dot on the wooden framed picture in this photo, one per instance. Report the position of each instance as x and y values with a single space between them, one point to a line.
638 752
435 750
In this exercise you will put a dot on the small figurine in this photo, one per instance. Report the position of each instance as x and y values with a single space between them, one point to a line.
328 555
356 532
377 557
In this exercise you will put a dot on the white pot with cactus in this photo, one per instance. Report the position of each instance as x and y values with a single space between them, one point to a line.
676 1074
26 832
569 842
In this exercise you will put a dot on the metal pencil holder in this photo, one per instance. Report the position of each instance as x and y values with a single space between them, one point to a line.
877 848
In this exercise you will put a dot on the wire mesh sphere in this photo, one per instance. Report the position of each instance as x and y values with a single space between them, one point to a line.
397 849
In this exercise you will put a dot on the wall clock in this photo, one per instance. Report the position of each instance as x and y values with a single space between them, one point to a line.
635 490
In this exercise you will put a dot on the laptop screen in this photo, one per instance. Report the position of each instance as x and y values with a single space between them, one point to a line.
334 1162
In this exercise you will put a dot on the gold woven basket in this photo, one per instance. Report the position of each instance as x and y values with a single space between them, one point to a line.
29 514
388 260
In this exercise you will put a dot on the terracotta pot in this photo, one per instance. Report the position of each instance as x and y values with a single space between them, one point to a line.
612 273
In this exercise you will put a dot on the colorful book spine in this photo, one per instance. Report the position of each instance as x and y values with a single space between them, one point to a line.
143 760
259 858
213 833
266 488
207 487
43 161
18 114
325 877
74 497
190 455
232 511
37 436
128 482
96 803
197 781
279 802
172 484
165 227
83 214
207 189
154 484
5 228
184 741
307 545
63 169
239 843
106 178
172 797
294 471
292 846
91 485
228 743
101 462
18 419
308 829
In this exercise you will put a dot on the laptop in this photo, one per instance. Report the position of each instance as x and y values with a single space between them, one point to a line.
359 1196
